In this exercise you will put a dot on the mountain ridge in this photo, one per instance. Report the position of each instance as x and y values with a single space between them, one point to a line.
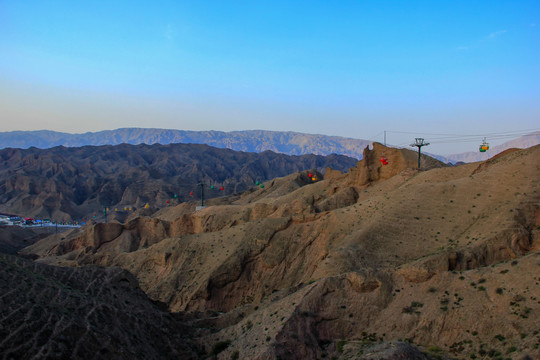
64 184
291 143
287 142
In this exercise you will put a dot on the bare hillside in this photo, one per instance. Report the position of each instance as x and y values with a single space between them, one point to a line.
50 312
446 259
65 184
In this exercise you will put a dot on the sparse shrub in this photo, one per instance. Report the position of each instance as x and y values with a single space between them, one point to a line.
219 347
481 281
407 310
432 289
481 288
339 347
493 353
499 291
511 349
235 355
499 337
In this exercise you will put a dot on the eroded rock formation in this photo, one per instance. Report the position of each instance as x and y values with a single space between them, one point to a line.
444 258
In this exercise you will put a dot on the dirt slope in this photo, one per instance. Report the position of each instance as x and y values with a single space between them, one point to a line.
15 238
445 258
50 312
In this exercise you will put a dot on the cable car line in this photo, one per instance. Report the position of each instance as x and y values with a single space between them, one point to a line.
504 133
439 138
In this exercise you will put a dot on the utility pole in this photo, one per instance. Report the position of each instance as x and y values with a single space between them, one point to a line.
384 137
419 143
202 193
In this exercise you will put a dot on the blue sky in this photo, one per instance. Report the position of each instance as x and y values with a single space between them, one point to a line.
347 68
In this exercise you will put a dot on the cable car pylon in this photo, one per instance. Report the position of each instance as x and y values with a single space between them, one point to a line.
419 142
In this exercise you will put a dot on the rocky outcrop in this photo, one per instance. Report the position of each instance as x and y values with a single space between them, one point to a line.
372 169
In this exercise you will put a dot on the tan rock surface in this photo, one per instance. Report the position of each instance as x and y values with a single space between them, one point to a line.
304 269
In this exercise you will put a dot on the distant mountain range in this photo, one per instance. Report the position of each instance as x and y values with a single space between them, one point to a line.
291 143
69 183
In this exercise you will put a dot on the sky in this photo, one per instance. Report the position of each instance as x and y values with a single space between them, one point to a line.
345 68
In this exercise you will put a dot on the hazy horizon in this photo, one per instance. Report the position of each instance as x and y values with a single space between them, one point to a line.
350 69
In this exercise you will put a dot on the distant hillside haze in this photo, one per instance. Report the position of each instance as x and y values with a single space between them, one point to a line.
522 142
64 184
291 143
